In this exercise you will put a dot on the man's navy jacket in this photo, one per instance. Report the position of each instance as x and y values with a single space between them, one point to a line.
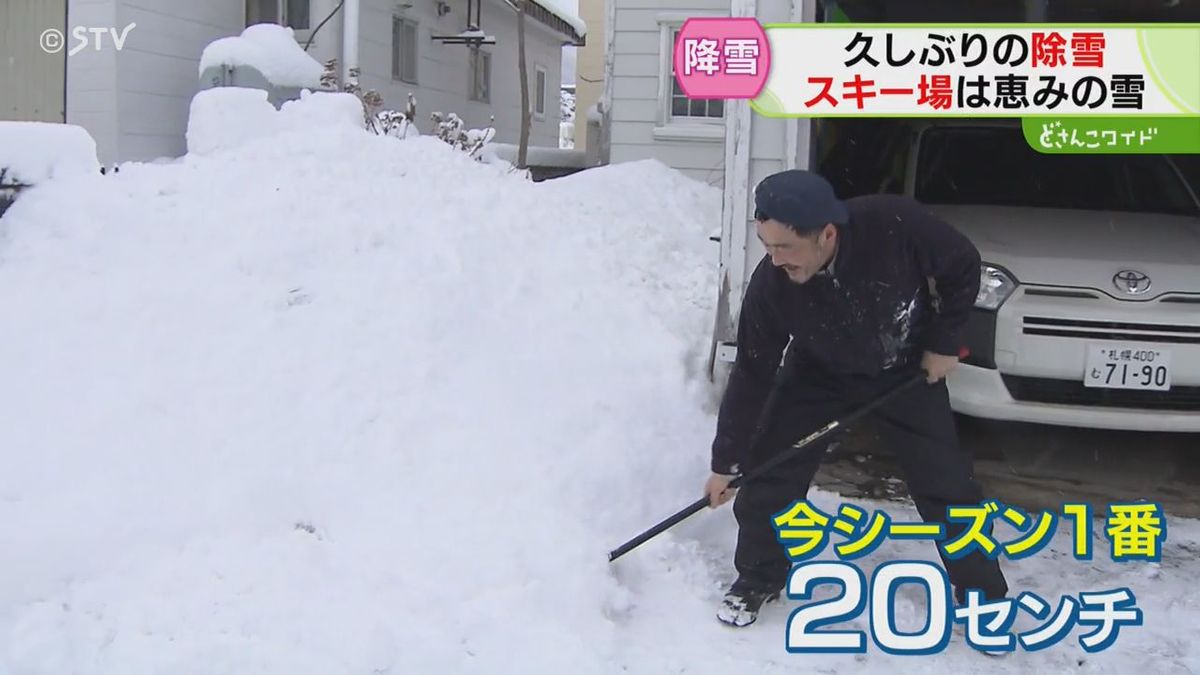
870 311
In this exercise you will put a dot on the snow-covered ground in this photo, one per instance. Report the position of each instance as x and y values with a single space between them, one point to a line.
334 403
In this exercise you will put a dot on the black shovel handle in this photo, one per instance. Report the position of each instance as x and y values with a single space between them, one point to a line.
775 461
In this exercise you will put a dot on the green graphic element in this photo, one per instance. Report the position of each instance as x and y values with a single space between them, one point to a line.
1113 135
767 103
1172 59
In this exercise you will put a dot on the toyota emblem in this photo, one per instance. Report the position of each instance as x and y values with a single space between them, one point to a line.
1132 282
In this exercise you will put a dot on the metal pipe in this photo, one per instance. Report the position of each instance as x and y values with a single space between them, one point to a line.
350 41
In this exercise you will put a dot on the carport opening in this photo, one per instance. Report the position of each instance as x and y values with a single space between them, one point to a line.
869 156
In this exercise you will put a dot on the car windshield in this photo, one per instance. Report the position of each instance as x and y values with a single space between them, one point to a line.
995 166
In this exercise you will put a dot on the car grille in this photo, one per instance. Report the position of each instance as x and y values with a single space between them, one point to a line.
1111 330
1070 392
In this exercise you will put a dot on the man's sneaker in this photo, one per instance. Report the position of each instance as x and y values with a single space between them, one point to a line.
739 607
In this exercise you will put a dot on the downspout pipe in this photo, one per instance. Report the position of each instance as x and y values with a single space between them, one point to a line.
349 40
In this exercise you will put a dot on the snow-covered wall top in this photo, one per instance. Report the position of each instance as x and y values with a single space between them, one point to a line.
226 117
33 152
270 49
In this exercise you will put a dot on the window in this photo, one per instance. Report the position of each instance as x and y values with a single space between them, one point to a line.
296 14
539 92
262 11
950 171
404 50
481 75
291 13
682 108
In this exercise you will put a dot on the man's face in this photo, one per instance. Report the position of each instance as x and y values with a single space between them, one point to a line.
800 256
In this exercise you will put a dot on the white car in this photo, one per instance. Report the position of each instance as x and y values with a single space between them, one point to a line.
1089 309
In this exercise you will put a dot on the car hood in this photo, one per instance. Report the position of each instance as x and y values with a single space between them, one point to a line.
1084 249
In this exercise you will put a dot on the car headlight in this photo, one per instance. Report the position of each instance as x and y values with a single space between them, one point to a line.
995 285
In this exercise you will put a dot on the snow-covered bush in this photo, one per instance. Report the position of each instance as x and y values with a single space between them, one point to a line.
395 123
399 124
566 105
452 130
370 99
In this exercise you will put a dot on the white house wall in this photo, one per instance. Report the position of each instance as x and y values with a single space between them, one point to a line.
589 69
32 82
774 145
92 79
157 69
769 138
641 86
135 102
443 74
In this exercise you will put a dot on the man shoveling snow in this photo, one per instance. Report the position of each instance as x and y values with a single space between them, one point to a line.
846 287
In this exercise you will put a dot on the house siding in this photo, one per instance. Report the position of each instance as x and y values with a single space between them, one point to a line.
589 68
640 87
769 145
31 81
443 71
135 102
158 70
92 77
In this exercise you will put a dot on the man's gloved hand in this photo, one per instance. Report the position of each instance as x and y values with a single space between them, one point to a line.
937 365
717 489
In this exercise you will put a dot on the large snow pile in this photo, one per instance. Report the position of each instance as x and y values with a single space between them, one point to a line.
287 408
327 402
271 50
34 152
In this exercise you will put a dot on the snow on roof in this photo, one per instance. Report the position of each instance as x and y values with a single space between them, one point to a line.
572 20
270 49
33 152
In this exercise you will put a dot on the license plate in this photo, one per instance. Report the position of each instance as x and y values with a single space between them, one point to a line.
1127 366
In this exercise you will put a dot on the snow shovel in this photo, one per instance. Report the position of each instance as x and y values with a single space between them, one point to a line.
786 455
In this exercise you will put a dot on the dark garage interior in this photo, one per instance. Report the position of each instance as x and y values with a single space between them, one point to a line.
857 154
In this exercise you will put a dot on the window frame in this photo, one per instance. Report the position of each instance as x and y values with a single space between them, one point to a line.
682 127
281 14
540 96
475 56
399 24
